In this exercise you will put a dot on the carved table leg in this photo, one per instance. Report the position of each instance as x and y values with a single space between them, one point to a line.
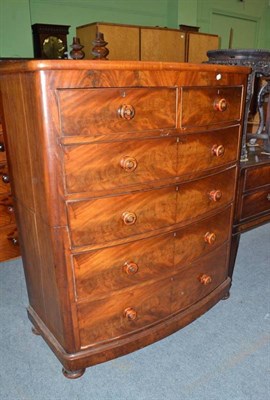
73 374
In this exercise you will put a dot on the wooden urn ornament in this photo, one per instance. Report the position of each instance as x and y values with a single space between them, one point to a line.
76 53
99 51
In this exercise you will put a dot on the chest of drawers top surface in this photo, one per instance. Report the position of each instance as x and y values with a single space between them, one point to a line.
130 171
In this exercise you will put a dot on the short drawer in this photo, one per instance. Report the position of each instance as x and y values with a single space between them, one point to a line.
149 303
4 179
7 216
108 111
9 243
2 148
101 220
104 166
202 106
92 167
257 177
256 203
115 268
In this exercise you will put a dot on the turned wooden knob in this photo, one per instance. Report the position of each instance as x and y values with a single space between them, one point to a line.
210 237
2 146
14 241
215 195
218 150
205 279
220 104
126 111
129 218
129 164
130 314
5 178
130 267
268 196
10 209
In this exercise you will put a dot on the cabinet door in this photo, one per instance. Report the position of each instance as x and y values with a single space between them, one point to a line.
162 45
198 44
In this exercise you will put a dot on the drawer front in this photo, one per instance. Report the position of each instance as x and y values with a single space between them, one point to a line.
94 167
9 244
107 111
7 216
202 106
115 268
207 150
256 177
105 219
124 312
132 310
256 203
205 195
2 148
198 280
4 179
117 217
103 166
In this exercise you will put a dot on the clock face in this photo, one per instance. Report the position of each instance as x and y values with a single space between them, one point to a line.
53 47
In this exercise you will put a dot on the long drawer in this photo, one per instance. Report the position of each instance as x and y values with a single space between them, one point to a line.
114 268
100 220
132 310
117 165
114 110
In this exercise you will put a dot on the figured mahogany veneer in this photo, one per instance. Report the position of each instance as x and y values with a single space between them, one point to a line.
125 198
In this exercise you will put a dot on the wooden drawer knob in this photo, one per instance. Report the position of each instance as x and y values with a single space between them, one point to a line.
220 104
129 218
129 164
205 279
2 147
10 209
210 237
215 195
218 150
14 241
130 314
130 267
5 178
126 111
268 197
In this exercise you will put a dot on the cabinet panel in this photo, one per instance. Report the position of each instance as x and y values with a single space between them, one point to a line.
162 45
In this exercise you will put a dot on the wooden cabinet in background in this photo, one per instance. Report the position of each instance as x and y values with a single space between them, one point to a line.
124 40
145 43
197 45
125 226
9 245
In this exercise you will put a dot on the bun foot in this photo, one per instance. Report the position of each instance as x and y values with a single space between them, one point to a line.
226 296
35 331
73 374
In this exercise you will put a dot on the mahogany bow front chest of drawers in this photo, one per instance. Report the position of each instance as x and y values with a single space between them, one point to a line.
124 177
